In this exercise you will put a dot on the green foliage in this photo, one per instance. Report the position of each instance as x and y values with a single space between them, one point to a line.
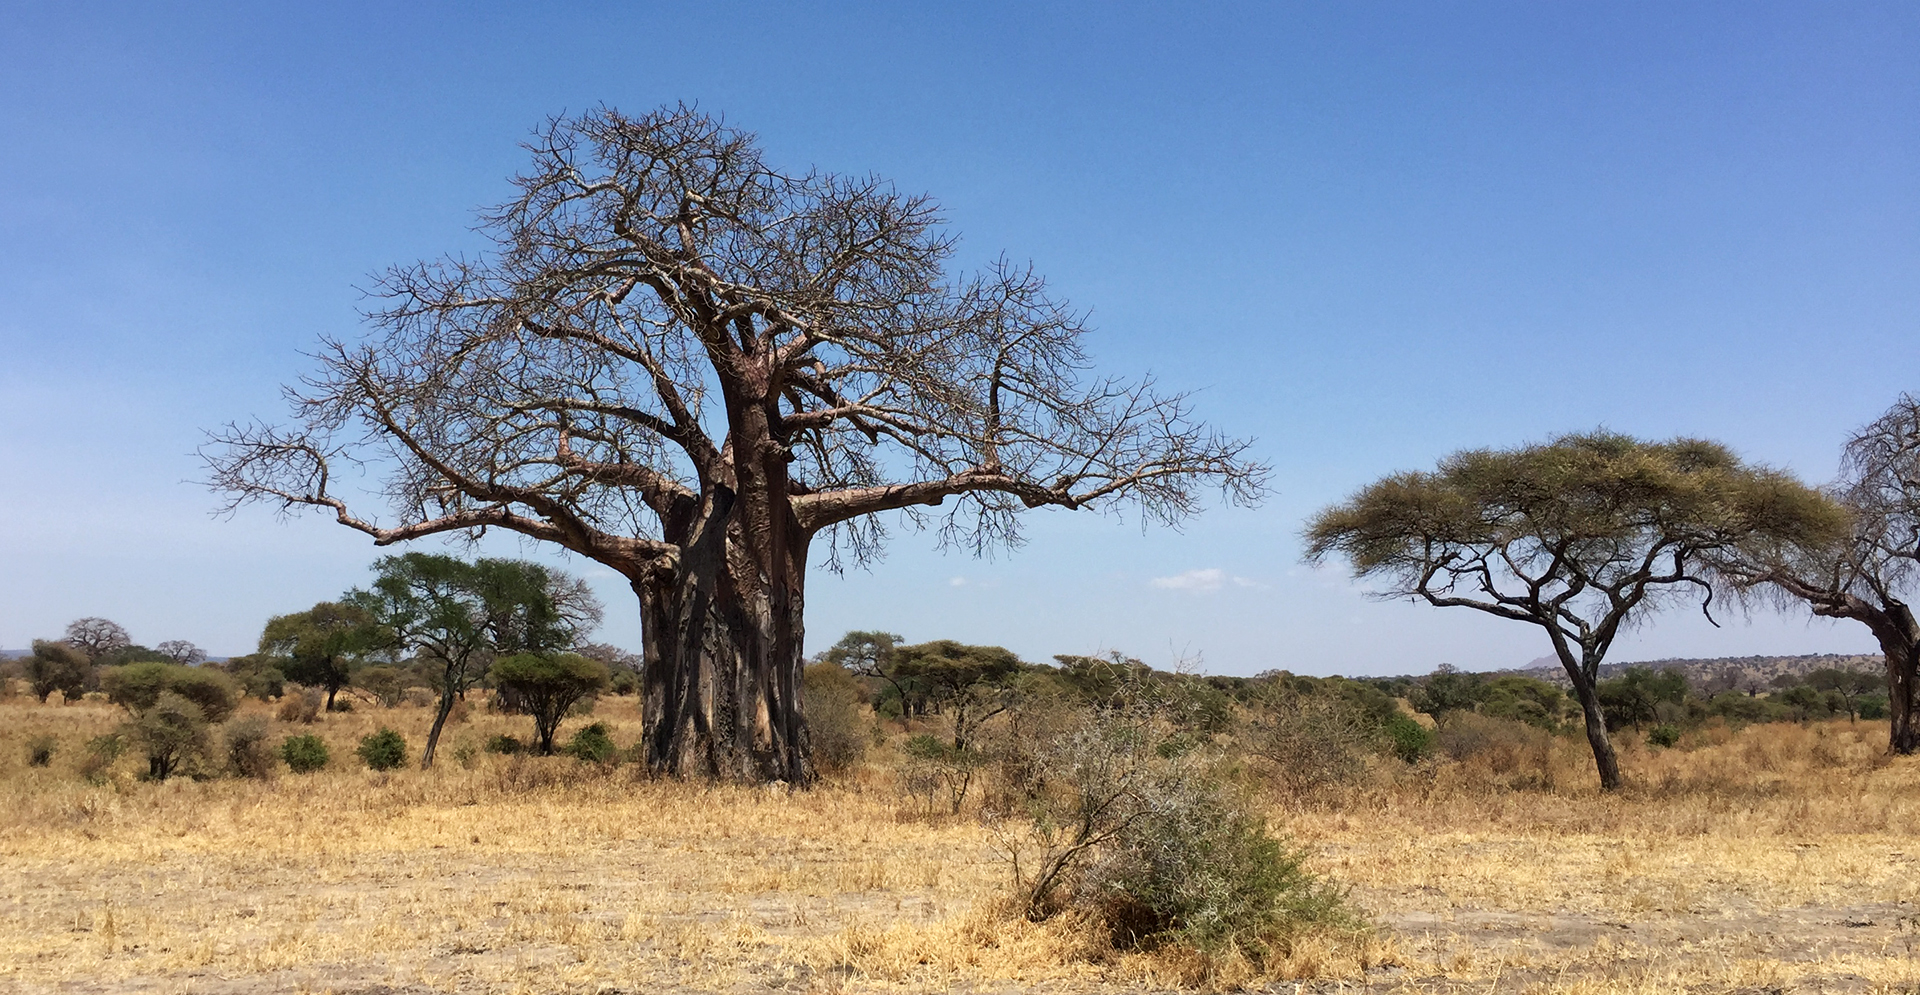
1663 735
172 732
40 751
1872 706
137 687
321 646
592 744
837 725
968 684
304 754
57 667
1634 698
387 684
1448 689
545 686
257 676
382 750
1407 739
505 745
246 750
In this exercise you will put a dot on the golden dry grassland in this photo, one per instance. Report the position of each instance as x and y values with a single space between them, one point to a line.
1777 858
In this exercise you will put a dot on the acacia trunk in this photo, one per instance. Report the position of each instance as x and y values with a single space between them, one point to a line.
1604 759
439 723
1899 640
721 651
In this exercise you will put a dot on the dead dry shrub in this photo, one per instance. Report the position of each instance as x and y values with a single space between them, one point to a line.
300 704
1308 743
1135 828
246 751
1503 752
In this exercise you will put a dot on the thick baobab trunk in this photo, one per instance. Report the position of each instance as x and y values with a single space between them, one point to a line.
1604 759
721 676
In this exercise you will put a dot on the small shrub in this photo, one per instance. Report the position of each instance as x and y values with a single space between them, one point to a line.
933 763
1156 845
1663 735
102 753
593 745
172 732
304 754
247 754
343 704
505 745
1407 739
1309 742
138 687
40 751
837 724
301 705
383 750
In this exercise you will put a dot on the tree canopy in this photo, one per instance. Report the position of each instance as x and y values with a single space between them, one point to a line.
1579 536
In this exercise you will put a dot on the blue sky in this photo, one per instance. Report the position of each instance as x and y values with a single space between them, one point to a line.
1368 234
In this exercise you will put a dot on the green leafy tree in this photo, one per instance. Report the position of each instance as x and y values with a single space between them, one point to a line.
968 684
321 646
172 732
689 365
304 754
871 655
137 687
1850 685
57 667
1447 690
545 686
457 617
1577 536
1634 698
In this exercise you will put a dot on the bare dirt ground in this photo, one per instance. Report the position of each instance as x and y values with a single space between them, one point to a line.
1766 861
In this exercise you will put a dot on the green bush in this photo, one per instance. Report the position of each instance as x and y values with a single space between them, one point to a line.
40 751
593 745
505 745
1663 735
1406 738
304 754
383 750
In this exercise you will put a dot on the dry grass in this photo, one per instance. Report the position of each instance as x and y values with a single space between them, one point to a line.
1771 859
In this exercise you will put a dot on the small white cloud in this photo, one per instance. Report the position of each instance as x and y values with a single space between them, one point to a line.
1249 582
957 582
1209 579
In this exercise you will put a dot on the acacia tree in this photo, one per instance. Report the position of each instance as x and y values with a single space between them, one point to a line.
461 615
1868 571
1579 536
688 365
321 646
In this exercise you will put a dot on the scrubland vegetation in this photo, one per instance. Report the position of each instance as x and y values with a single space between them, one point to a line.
1099 826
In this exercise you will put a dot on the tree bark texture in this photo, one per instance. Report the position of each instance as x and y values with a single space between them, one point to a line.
1604 759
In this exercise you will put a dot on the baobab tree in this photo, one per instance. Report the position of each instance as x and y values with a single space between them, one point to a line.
1869 571
1580 536
701 371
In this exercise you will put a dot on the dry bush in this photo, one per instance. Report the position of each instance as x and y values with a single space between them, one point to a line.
246 751
1308 743
300 704
1517 755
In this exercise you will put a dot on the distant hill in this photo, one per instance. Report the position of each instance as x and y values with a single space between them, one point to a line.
1727 673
